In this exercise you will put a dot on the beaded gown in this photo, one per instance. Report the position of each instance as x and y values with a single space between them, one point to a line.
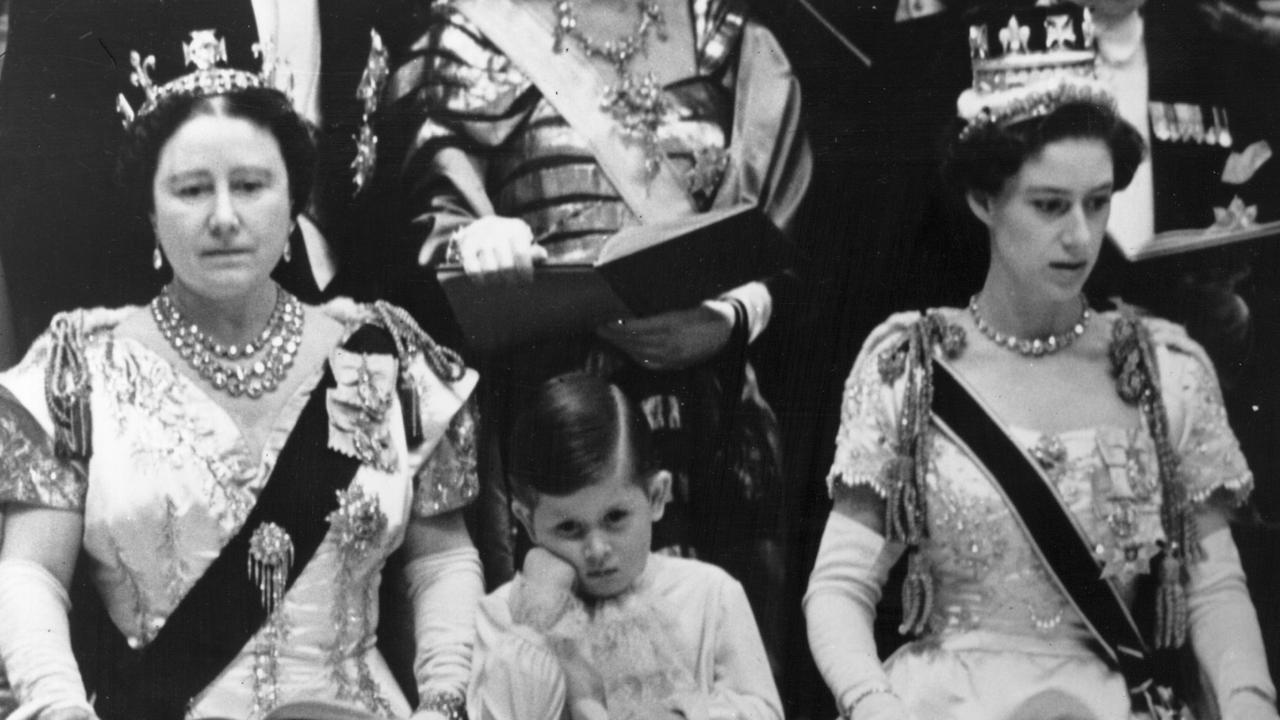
170 481
1000 632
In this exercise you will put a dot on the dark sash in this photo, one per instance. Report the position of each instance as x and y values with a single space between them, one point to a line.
223 610
1057 539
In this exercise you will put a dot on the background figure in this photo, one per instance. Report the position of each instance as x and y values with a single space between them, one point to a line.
66 242
494 164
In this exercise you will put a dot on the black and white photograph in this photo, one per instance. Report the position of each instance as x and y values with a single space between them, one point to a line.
639 359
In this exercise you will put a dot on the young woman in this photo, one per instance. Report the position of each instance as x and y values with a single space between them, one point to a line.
235 466
1110 426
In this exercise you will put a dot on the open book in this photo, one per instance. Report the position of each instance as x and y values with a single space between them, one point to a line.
640 270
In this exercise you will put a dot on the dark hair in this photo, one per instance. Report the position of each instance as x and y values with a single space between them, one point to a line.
573 432
267 108
989 155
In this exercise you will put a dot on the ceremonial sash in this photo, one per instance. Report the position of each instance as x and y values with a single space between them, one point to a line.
574 88
1059 542
224 608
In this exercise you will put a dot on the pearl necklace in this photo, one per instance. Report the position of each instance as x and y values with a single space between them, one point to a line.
280 340
1033 347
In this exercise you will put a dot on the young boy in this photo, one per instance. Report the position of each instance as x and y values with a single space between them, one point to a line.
596 626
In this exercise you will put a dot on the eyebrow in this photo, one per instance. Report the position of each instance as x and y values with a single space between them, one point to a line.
1055 190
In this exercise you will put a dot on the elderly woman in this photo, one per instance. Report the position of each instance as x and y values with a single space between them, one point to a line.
1041 464
235 466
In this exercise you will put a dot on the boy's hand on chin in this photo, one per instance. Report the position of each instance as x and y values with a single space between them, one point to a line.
543 568
546 593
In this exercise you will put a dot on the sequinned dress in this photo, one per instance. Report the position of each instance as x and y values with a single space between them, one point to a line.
170 481
483 140
1000 632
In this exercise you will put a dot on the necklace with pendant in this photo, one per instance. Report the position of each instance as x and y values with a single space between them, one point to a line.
1033 347
263 361
636 103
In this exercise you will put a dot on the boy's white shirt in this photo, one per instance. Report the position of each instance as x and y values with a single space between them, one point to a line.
515 674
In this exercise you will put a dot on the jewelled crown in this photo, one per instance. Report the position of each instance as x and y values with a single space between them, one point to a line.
1028 61
213 73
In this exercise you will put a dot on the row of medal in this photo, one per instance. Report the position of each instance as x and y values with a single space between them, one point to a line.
1188 123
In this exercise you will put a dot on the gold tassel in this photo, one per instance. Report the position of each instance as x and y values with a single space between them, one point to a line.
917 595
1171 605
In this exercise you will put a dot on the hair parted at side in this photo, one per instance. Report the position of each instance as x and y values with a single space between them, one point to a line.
986 157
572 433
265 107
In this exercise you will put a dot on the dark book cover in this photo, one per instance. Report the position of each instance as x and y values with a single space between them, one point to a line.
641 270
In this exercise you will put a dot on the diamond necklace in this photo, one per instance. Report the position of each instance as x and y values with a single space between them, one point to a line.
1033 347
280 340
636 103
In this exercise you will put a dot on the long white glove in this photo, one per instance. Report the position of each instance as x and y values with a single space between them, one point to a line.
1225 632
840 610
445 589
35 641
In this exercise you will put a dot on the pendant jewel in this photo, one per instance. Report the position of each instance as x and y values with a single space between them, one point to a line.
270 557
1033 347
637 103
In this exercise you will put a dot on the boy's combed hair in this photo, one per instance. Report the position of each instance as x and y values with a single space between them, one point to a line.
570 435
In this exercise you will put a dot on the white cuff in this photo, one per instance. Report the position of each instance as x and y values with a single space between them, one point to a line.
840 607
445 589
35 640
755 299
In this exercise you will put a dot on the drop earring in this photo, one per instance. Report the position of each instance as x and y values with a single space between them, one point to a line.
157 260
288 251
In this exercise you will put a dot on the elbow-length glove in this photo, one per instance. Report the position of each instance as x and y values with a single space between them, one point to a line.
840 609
445 588
1225 632
35 641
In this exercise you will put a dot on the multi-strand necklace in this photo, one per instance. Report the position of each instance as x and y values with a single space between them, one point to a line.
254 368
1033 347
637 103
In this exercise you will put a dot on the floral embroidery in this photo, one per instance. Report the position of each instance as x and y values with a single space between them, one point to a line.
29 472
358 527
448 479
359 408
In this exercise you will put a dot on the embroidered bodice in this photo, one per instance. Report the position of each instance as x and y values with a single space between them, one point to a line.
984 571
170 480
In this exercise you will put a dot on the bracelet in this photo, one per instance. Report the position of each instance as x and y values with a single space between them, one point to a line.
448 703
875 689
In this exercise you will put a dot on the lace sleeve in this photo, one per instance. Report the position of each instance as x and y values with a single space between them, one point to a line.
869 411
1210 461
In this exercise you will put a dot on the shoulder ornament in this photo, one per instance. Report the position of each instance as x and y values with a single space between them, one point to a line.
1133 363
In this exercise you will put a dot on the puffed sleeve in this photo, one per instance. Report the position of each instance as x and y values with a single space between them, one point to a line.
448 479
30 471
515 675
1210 461
870 407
